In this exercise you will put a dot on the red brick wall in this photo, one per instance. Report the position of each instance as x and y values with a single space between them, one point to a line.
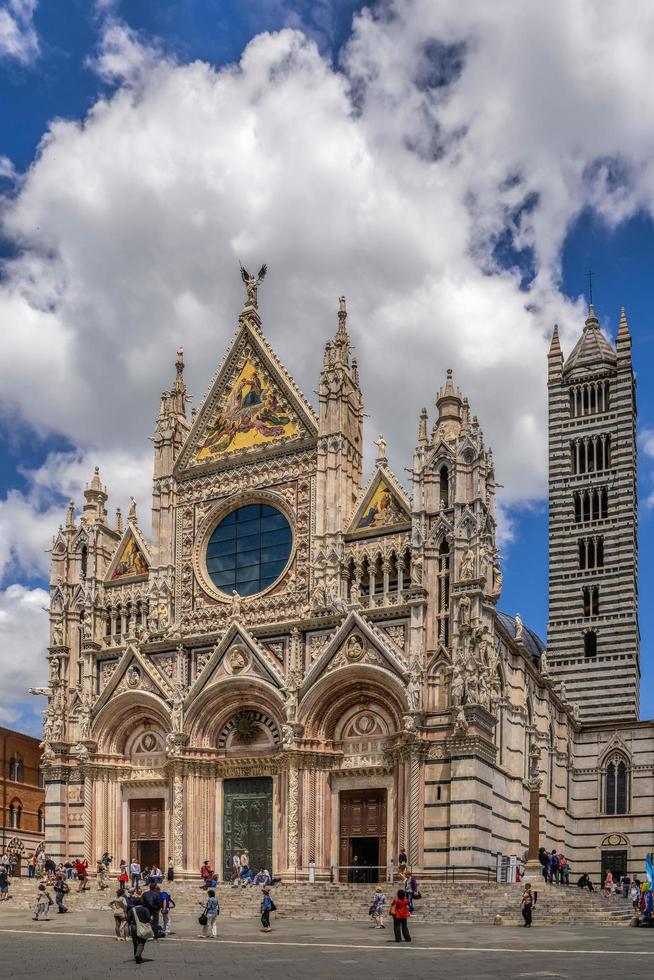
28 792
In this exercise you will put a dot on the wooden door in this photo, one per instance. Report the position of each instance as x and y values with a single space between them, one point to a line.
362 815
146 823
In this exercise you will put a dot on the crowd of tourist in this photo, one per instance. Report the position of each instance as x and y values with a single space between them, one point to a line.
143 904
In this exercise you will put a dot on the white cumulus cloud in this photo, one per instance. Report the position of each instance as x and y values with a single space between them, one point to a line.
449 137
18 38
23 648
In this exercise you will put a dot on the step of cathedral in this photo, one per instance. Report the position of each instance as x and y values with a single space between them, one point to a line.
444 903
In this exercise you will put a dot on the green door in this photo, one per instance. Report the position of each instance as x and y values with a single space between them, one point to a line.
247 821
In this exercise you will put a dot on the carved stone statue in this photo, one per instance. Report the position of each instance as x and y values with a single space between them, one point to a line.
133 676
172 745
288 735
457 685
563 694
235 605
534 761
81 751
497 580
381 447
131 514
290 693
518 626
544 666
461 724
464 610
414 691
416 569
57 633
177 714
409 724
40 690
85 710
251 283
467 569
163 619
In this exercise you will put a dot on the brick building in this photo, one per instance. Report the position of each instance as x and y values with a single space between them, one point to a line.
22 797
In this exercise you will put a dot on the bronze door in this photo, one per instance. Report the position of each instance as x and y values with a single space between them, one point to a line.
146 830
247 822
362 834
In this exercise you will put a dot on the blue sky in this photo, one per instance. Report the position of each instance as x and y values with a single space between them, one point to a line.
122 232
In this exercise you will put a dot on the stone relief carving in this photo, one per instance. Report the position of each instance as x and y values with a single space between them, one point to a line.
355 649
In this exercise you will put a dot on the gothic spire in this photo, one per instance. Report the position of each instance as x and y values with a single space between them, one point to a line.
178 396
555 356
422 428
342 340
95 495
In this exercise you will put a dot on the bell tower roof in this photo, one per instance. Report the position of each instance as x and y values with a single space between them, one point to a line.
592 352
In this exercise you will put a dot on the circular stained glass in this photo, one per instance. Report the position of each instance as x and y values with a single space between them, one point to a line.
249 549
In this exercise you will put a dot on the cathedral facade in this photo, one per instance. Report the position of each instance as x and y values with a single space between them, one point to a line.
314 669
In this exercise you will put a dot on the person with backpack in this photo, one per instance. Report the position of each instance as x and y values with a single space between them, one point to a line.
527 904
138 919
60 889
377 908
208 918
166 909
267 906
399 912
151 899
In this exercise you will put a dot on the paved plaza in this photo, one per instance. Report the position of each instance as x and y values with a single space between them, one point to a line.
81 945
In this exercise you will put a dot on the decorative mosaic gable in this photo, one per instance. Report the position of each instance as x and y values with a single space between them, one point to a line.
131 559
382 505
253 412
252 405
383 509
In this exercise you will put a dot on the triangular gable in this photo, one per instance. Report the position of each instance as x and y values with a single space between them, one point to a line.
377 649
252 406
440 453
257 662
383 505
131 560
134 672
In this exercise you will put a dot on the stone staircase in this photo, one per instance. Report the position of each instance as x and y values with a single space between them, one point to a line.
442 904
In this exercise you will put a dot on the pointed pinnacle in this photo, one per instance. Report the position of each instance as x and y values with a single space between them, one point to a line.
555 346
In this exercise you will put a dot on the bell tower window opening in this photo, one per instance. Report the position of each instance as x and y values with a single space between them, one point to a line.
444 486
590 643
591 600
443 614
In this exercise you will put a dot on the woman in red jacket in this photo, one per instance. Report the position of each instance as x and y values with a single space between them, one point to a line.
399 911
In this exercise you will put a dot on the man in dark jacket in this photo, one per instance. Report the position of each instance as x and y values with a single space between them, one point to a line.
153 902
140 913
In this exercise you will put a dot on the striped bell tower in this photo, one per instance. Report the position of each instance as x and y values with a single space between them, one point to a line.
592 635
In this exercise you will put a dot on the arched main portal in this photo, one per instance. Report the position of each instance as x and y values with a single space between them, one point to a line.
357 713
